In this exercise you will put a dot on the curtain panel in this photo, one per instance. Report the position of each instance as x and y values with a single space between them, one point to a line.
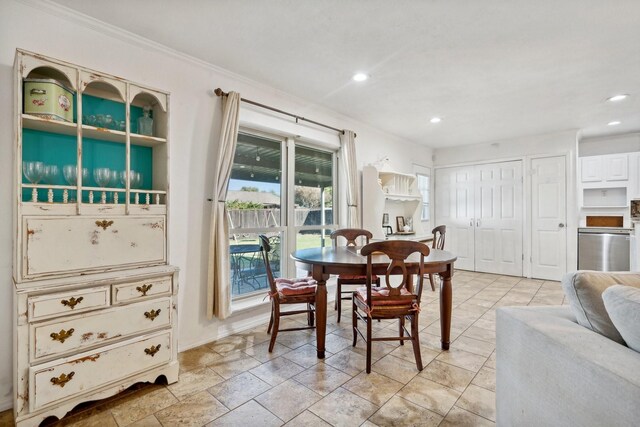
218 280
348 156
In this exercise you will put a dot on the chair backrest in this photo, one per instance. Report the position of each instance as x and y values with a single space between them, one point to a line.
438 236
351 234
397 251
265 248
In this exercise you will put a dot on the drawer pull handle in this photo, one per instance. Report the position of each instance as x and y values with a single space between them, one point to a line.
104 224
63 379
152 314
62 336
151 351
72 302
144 289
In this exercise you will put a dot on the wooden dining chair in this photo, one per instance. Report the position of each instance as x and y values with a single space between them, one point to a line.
439 234
351 235
287 291
391 302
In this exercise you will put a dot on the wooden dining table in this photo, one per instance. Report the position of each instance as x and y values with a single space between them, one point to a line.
322 262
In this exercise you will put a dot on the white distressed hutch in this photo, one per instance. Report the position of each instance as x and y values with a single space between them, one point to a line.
95 301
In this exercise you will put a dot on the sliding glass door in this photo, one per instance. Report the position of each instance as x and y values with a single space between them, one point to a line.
284 190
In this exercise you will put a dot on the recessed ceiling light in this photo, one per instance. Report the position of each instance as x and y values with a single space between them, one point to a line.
435 120
360 77
614 123
616 98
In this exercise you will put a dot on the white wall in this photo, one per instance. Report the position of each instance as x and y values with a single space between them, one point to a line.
525 148
195 122
626 143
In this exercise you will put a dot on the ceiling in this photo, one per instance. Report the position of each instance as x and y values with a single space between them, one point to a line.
491 69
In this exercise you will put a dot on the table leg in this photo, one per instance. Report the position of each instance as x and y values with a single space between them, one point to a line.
321 309
445 307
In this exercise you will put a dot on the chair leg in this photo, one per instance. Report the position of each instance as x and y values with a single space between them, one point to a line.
369 319
433 286
276 324
310 315
415 340
354 322
339 301
338 295
401 329
270 322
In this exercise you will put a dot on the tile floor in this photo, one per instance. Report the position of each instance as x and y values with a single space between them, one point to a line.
235 381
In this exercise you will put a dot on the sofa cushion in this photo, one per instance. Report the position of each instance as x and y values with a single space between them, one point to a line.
623 306
584 291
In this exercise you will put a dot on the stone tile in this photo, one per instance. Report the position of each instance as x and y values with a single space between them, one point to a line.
261 351
195 358
395 368
288 399
230 343
295 339
150 421
486 324
480 334
406 352
479 401
486 378
249 414
348 361
239 389
374 387
93 419
194 381
306 356
307 419
491 361
448 375
335 343
233 363
430 395
277 371
322 378
472 345
458 417
401 412
256 335
462 359
343 408
196 411
141 406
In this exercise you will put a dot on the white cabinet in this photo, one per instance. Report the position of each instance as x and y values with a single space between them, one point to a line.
95 301
606 171
392 193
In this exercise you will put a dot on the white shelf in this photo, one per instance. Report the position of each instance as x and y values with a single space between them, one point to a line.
402 197
605 207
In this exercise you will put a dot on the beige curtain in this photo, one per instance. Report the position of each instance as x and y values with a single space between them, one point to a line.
219 287
348 156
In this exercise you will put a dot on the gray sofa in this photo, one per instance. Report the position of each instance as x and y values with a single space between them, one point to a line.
551 371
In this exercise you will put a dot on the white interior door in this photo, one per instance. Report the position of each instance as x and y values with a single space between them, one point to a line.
454 200
499 219
548 218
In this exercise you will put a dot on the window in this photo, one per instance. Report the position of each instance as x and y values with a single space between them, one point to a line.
264 168
423 188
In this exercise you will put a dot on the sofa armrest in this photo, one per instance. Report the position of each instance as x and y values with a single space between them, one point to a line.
553 372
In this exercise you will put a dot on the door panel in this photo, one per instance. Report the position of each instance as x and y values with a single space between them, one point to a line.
549 237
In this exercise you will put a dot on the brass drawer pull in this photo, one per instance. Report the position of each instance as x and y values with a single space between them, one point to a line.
151 351
104 223
144 289
63 379
71 302
152 314
62 335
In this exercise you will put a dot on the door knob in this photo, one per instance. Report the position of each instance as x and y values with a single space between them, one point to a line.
561 225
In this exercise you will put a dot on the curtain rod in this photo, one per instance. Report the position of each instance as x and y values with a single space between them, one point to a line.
220 92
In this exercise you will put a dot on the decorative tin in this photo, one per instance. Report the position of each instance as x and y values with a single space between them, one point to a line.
49 99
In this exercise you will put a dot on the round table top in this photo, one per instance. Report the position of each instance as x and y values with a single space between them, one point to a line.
350 255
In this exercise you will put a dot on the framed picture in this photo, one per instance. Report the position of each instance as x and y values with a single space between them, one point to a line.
400 223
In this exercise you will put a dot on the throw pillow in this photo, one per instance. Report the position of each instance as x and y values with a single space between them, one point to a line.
584 291
623 305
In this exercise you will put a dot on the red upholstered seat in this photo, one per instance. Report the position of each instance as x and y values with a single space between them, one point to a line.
378 294
299 286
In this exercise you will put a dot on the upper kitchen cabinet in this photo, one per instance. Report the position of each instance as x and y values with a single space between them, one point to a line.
604 171
88 142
